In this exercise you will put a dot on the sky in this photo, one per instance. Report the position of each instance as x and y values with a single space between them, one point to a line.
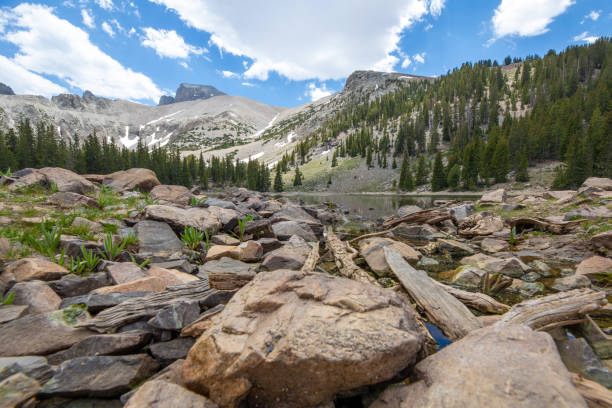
282 53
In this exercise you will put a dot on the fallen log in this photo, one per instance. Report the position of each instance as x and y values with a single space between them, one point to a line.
449 314
595 394
476 300
431 216
344 255
559 309
313 257
542 224
370 235
148 306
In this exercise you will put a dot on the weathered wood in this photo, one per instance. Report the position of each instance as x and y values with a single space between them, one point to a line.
148 306
370 235
344 255
431 216
595 395
599 341
476 300
312 259
559 309
542 224
449 314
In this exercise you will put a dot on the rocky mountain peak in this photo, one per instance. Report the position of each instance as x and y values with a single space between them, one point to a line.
190 92
364 80
5 89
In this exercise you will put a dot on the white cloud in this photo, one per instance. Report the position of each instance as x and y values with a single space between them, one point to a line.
25 82
184 65
248 84
132 31
50 45
436 6
526 18
108 29
229 74
420 58
586 38
406 62
306 39
88 19
315 92
167 43
106 4
594 15
428 27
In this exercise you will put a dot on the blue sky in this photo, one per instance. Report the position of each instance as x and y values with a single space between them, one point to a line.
277 52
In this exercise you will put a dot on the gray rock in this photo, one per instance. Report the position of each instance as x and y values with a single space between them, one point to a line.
493 245
424 232
531 276
181 265
525 289
227 273
468 276
97 302
292 255
580 358
11 312
124 272
462 211
33 366
211 201
101 376
157 238
37 295
73 245
588 212
571 282
454 248
132 179
269 244
104 345
73 285
285 229
407 210
72 200
170 351
160 394
175 316
17 389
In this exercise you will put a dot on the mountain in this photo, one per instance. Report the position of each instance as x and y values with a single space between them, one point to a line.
190 92
6 90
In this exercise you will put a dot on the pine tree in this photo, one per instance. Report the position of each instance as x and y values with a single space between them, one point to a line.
438 177
501 161
334 162
522 175
278 180
453 177
297 179
421 173
404 172
369 157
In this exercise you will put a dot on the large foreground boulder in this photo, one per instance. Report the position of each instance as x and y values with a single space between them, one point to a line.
64 180
497 366
179 218
160 394
132 179
289 339
172 194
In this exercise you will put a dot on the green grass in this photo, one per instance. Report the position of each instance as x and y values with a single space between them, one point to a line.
82 231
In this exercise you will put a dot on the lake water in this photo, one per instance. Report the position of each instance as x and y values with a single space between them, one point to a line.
372 207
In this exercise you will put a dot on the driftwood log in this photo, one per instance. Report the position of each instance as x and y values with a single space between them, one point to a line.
559 309
370 235
444 310
148 306
542 224
595 394
313 257
345 256
476 300
431 216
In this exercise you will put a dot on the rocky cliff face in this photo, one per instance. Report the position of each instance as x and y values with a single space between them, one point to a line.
190 92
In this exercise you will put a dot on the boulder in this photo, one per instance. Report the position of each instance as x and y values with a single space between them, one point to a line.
222 251
27 269
227 217
35 367
73 245
22 337
423 232
250 251
181 265
224 239
481 224
175 316
512 267
39 297
66 180
157 238
454 248
171 277
468 276
163 394
124 272
580 358
588 212
269 244
17 390
6 248
147 284
99 376
372 249
292 255
8 313
461 212
73 285
227 273
564 195
297 340
98 302
494 197
291 212
172 194
179 218
72 200
260 229
285 229
103 345
407 210
595 267
493 367
26 178
133 179
493 245
169 351
600 183
571 282
603 240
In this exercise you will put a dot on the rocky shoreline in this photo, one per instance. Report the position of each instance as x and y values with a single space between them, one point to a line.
119 291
